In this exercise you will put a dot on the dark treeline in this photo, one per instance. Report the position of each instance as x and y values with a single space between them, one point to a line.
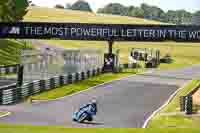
149 12
80 5
144 11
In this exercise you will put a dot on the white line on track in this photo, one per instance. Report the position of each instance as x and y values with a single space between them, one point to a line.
4 115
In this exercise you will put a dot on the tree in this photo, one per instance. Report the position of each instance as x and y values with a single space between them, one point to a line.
59 6
197 13
153 12
13 10
5 11
171 17
196 18
115 9
139 12
131 11
68 6
178 17
20 9
146 10
184 16
135 12
81 5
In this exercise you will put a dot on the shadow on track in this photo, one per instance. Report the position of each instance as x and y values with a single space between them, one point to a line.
92 123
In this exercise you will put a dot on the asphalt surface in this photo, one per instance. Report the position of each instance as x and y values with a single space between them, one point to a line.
123 103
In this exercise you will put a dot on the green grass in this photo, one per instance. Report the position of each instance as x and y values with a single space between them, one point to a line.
83 85
177 121
55 129
9 51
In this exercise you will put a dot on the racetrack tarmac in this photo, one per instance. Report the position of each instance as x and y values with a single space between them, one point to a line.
124 103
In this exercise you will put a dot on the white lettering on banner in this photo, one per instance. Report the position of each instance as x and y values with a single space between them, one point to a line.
195 34
172 33
47 30
73 31
198 36
162 33
15 30
152 33
182 34
138 33
147 34
105 31
39 31
131 33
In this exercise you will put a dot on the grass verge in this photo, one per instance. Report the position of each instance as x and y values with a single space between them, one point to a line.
83 85
179 120
9 128
54 129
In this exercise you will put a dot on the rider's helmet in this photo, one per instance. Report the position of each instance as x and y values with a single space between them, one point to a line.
93 101
94 105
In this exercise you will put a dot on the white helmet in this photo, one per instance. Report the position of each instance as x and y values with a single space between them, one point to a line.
94 101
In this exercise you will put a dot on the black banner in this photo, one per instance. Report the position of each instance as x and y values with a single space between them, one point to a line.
99 32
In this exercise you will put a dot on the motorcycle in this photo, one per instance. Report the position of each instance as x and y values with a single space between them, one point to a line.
85 113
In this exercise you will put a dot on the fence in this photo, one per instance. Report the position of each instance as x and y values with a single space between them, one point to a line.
8 69
12 94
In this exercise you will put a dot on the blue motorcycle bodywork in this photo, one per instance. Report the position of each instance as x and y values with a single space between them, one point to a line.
84 113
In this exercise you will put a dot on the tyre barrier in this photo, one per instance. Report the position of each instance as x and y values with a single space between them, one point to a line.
7 94
12 94
186 102
8 69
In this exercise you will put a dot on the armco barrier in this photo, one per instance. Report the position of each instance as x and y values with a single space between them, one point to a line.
13 94
8 94
8 69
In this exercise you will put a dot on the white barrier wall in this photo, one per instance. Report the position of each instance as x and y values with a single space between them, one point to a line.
40 64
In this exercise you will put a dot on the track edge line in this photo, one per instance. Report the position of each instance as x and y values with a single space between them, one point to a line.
7 114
